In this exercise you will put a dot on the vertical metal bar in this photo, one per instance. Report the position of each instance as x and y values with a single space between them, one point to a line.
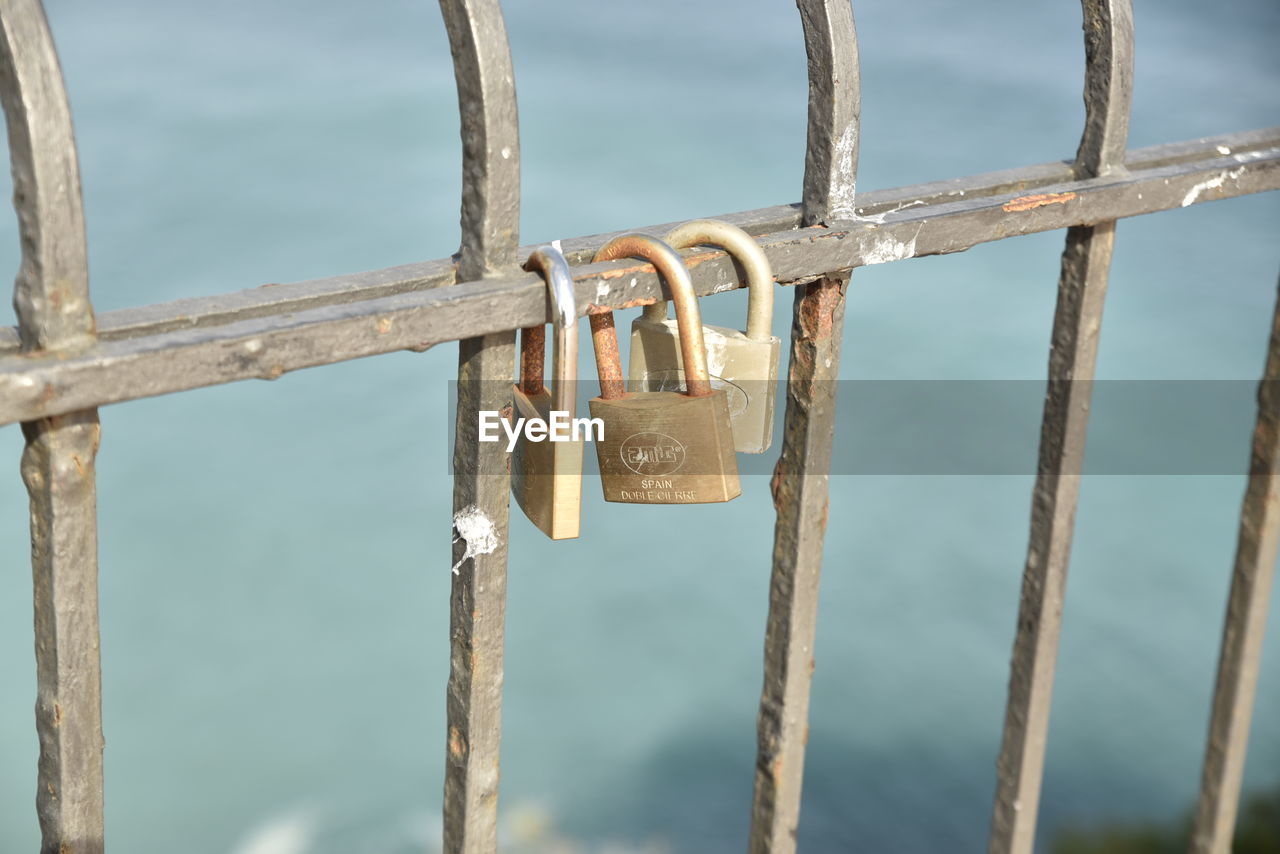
1082 286
481 481
51 296
1245 622
800 481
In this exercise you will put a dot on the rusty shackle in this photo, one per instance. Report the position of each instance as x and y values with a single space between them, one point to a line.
604 336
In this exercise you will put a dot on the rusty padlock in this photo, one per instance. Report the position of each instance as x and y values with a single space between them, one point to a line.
546 476
742 363
661 447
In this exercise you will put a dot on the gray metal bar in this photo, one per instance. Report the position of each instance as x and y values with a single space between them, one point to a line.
490 230
831 147
800 480
1245 622
1082 287
268 346
51 296
277 299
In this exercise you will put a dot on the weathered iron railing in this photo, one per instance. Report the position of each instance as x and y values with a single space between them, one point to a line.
59 365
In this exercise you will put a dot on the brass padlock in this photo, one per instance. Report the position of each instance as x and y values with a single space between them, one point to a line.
662 447
546 476
743 363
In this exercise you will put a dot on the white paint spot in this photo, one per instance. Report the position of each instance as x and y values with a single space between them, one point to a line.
602 290
1210 184
632 283
290 833
477 531
1222 149
890 250
1247 156
843 174
506 152
879 218
253 346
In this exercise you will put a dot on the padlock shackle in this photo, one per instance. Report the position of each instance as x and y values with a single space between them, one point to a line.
604 336
748 253
551 262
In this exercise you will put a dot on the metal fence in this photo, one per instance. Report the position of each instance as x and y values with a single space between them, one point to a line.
61 363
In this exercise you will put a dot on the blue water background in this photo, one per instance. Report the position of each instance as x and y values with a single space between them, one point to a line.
274 557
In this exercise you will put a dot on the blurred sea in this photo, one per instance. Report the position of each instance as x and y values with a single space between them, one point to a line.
274 559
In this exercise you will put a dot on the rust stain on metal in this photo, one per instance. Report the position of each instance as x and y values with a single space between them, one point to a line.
604 340
1038 200
57 708
817 312
595 308
627 271
533 347
775 486
457 745
276 372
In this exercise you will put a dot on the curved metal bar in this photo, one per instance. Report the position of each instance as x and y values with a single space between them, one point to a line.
800 480
51 296
490 137
481 484
835 103
1108 87
1082 287
1245 622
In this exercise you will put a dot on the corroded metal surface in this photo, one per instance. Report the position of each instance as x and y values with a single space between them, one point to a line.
800 494
1082 287
142 362
1245 621
533 354
51 296
801 477
481 499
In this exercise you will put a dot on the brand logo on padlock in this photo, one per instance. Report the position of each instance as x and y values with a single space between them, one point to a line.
652 453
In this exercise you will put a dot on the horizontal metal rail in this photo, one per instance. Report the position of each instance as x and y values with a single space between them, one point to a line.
261 334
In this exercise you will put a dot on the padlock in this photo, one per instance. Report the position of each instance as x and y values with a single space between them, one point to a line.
743 363
546 476
661 447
